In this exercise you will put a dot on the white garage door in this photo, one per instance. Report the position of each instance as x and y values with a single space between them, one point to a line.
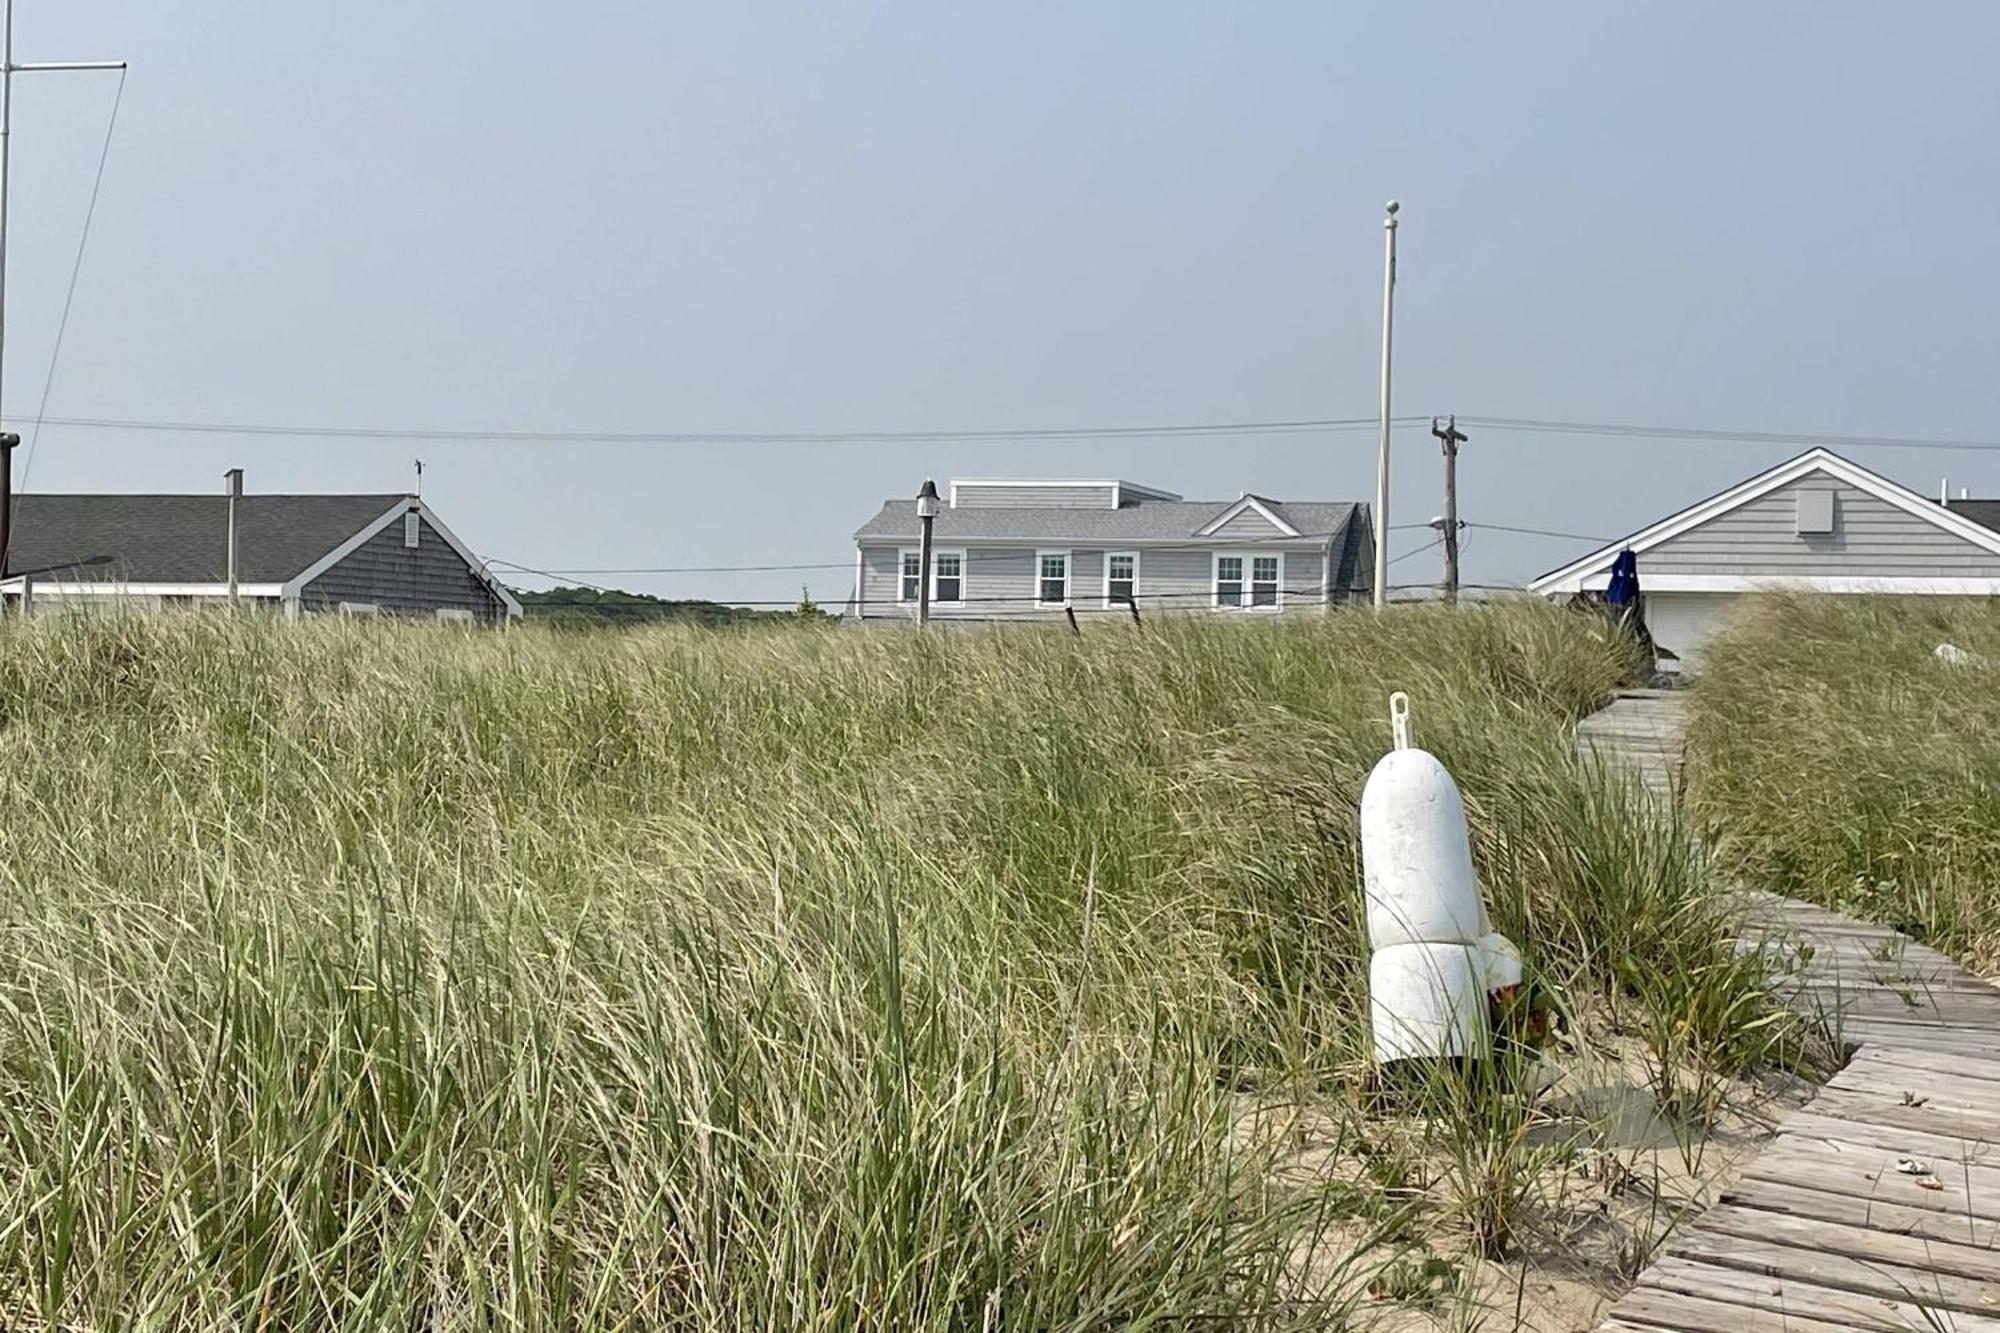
1682 621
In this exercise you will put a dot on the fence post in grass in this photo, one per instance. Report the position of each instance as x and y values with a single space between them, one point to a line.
1133 607
1070 613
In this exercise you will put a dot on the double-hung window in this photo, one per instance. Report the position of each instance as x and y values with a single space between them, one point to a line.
1052 578
1121 578
948 576
1229 580
1264 580
1249 581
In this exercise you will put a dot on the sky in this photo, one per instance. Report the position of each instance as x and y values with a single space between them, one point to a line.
881 217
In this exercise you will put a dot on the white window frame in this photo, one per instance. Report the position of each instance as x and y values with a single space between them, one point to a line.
412 529
963 568
1249 559
1069 578
1109 556
917 553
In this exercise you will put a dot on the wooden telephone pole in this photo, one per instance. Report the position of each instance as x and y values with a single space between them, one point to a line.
1450 436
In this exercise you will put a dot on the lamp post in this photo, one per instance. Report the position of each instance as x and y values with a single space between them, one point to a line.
928 506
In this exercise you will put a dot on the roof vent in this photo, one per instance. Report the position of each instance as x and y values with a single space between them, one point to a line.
1814 515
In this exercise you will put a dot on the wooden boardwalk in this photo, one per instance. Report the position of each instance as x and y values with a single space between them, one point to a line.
1876 1206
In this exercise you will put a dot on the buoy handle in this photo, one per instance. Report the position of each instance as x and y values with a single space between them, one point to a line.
1399 719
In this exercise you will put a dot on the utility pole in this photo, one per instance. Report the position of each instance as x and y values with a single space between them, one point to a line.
1382 451
8 69
1450 436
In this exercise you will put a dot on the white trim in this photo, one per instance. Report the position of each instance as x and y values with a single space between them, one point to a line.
1118 488
1573 576
917 552
296 586
1069 578
1110 605
860 599
1307 542
1956 586
1248 502
413 527
1249 581
121 588
963 564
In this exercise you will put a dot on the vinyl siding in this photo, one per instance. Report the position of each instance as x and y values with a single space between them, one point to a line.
1870 537
1002 582
973 496
403 581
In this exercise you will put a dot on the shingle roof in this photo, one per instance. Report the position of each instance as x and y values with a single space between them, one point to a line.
1152 520
181 538
1986 513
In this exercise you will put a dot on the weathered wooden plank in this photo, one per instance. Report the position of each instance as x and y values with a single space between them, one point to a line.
1936 1117
1948 1219
1882 1279
1982 1068
1810 1125
1821 1237
1791 1298
1652 1308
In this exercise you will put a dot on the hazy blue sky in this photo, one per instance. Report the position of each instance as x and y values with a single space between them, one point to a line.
749 217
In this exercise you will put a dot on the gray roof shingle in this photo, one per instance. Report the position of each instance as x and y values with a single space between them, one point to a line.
181 538
1152 520
1986 513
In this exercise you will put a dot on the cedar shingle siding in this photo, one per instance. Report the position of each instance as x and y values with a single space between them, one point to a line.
384 572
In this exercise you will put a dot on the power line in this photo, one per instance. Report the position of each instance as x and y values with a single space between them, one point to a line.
1021 436
75 271
1538 532
1625 429
673 569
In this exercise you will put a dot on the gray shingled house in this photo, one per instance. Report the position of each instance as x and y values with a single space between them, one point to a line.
1014 548
352 554
1815 523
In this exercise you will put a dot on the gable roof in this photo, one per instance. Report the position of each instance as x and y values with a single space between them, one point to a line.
1570 577
1154 522
1267 508
182 538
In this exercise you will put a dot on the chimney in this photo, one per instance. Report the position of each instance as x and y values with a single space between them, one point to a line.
234 478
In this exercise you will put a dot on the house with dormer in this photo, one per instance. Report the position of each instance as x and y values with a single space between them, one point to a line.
1006 549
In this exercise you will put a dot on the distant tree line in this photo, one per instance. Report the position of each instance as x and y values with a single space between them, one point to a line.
591 608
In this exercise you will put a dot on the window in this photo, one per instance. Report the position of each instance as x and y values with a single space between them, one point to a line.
454 613
948 576
1249 581
1052 578
412 527
1264 580
359 609
1229 580
1121 578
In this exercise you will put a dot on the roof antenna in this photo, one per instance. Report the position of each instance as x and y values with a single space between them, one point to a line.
420 478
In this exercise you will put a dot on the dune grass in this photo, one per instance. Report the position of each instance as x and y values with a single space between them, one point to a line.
1836 759
372 975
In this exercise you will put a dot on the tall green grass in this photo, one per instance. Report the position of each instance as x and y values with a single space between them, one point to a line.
376 976
1835 758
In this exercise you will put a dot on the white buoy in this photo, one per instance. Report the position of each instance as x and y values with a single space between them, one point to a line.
1436 955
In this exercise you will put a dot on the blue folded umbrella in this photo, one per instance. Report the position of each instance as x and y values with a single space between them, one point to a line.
1623 590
